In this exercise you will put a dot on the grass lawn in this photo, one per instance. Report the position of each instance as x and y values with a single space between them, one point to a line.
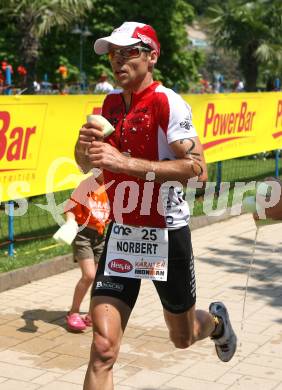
31 252
33 233
244 169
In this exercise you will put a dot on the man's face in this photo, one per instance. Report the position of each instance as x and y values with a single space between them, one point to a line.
130 64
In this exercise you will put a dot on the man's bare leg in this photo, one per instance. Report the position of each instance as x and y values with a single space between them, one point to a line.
188 327
109 316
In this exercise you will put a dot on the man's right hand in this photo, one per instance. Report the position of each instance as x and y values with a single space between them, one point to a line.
88 133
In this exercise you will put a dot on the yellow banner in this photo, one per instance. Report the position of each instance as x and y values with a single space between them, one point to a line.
37 138
238 124
38 133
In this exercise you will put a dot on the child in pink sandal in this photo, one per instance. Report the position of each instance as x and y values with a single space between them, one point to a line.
88 205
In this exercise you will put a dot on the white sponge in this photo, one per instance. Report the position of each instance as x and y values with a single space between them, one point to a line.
108 129
67 232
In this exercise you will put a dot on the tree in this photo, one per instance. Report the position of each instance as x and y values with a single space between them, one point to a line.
200 6
218 61
34 19
177 65
38 30
253 29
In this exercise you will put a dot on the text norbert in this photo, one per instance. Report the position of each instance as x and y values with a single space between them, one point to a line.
137 247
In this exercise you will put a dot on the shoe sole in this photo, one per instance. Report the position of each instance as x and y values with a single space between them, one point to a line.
74 330
224 360
217 348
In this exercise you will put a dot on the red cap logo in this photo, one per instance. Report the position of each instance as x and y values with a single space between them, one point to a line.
148 36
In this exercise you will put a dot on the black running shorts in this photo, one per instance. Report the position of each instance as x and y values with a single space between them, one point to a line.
177 294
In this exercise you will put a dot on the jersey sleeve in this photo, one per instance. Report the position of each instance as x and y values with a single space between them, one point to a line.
176 117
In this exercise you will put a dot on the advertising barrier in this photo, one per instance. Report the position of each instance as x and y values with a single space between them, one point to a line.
238 124
38 134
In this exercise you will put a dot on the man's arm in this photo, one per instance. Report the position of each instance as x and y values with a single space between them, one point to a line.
190 162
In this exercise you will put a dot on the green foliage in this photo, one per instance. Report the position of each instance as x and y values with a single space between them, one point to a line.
37 17
73 71
98 69
176 66
200 6
254 30
48 35
33 20
37 33
218 61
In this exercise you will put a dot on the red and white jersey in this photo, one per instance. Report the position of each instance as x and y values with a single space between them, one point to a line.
157 117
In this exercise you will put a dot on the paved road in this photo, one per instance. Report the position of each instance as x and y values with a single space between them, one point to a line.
36 351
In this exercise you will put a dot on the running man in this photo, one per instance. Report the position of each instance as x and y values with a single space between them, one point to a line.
146 162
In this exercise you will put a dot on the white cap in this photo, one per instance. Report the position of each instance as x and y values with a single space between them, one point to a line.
129 33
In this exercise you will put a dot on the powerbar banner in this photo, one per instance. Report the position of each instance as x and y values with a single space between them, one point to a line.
38 134
235 125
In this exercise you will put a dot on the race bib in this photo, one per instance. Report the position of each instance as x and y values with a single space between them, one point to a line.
137 252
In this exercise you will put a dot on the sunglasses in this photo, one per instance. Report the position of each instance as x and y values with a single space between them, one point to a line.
128 52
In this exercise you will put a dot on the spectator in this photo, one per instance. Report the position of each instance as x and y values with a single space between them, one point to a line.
238 86
103 86
36 86
88 206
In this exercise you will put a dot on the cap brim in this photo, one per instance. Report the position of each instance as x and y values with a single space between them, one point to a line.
101 46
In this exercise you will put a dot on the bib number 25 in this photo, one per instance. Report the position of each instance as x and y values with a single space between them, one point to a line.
149 234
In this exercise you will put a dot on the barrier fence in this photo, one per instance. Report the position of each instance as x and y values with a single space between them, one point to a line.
37 136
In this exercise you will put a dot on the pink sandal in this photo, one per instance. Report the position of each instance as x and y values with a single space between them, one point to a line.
75 322
87 320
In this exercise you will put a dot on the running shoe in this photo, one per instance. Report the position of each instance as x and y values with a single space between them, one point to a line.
225 344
